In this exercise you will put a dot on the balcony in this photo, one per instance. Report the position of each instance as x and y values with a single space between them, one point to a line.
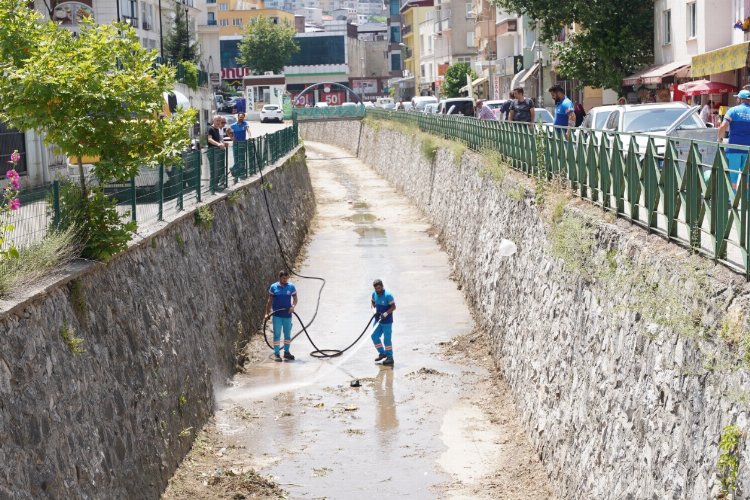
211 22
507 26
405 30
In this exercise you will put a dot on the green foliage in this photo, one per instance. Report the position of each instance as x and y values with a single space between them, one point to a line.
234 197
180 243
614 38
204 217
572 241
98 93
729 459
101 229
69 337
516 193
189 72
429 148
55 250
177 43
494 165
267 46
455 78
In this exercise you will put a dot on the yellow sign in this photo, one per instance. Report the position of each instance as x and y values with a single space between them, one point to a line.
720 60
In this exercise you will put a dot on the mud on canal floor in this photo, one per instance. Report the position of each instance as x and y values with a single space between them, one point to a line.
437 425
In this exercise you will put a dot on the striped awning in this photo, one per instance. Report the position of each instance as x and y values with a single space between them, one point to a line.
654 74
720 60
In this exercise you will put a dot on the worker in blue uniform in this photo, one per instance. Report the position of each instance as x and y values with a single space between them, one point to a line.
282 299
384 306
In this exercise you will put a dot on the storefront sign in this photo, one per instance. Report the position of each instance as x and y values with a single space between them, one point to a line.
72 13
363 87
235 73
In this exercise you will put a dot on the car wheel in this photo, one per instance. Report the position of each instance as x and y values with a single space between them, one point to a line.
262 120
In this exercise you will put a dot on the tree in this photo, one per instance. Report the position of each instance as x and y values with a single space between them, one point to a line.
615 37
96 94
455 78
267 46
177 44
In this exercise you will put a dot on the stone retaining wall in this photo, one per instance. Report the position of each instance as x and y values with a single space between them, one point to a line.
624 353
160 325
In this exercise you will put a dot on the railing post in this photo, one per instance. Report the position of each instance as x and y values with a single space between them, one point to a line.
180 181
199 169
133 200
161 192
56 203
212 169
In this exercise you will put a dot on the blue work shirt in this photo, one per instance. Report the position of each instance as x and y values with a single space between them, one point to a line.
739 126
240 131
383 302
282 298
562 109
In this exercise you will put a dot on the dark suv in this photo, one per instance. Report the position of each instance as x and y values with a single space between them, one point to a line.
457 106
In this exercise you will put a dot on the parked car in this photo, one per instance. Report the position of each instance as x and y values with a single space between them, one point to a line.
542 115
457 106
321 104
420 102
382 102
369 104
430 108
271 112
404 106
389 105
597 117
495 107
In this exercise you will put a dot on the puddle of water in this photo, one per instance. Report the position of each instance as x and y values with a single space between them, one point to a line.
363 218
371 236
470 438
360 205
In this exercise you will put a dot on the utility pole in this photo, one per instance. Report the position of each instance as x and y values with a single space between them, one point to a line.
540 60
161 34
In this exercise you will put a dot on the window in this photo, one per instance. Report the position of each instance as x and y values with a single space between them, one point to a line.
222 6
470 39
223 22
667 27
129 12
396 61
147 15
422 71
395 34
211 19
395 7
464 59
236 22
692 20
469 11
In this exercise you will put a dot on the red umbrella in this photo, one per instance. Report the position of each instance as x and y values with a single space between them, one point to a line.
704 87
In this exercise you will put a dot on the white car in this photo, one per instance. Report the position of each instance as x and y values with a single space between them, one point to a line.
271 112
495 107
321 104
420 102
597 117
430 108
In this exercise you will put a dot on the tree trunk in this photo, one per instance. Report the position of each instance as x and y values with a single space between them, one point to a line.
82 179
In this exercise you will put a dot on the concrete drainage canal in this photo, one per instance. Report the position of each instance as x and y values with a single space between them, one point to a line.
435 425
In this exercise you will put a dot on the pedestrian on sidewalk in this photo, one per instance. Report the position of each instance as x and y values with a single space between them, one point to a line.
522 108
483 112
384 306
282 299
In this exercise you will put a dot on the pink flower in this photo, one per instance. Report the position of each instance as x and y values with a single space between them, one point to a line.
14 204
12 174
15 156
15 183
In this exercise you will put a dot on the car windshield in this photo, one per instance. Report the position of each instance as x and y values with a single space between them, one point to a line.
493 105
544 116
656 119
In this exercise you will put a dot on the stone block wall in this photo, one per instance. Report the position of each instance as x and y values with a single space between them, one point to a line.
160 325
624 353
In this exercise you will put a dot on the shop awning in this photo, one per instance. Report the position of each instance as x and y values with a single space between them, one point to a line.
531 72
720 60
476 82
518 77
655 74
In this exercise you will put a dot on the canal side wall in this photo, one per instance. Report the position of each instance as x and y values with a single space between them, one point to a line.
161 324
627 356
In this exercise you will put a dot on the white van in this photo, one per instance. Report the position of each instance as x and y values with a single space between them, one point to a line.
420 102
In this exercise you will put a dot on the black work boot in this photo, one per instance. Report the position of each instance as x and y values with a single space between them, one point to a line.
380 357
288 356
388 361
277 358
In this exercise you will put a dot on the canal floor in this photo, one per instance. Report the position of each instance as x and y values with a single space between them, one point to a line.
439 424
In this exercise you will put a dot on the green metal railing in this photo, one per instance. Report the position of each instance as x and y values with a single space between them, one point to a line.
691 192
328 112
159 192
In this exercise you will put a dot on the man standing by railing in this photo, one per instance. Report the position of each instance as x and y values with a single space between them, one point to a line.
565 115
239 149
522 109
215 151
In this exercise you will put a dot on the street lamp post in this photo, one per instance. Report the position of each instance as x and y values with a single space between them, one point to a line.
540 98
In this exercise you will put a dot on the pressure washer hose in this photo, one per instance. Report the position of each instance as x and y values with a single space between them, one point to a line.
319 353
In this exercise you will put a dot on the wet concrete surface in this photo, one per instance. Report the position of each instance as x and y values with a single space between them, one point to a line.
416 430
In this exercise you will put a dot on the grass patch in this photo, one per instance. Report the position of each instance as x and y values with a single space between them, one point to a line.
429 148
572 241
729 460
234 197
204 217
493 166
73 342
34 262
516 193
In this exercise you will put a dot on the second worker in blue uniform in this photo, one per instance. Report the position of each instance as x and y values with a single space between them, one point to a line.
384 306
